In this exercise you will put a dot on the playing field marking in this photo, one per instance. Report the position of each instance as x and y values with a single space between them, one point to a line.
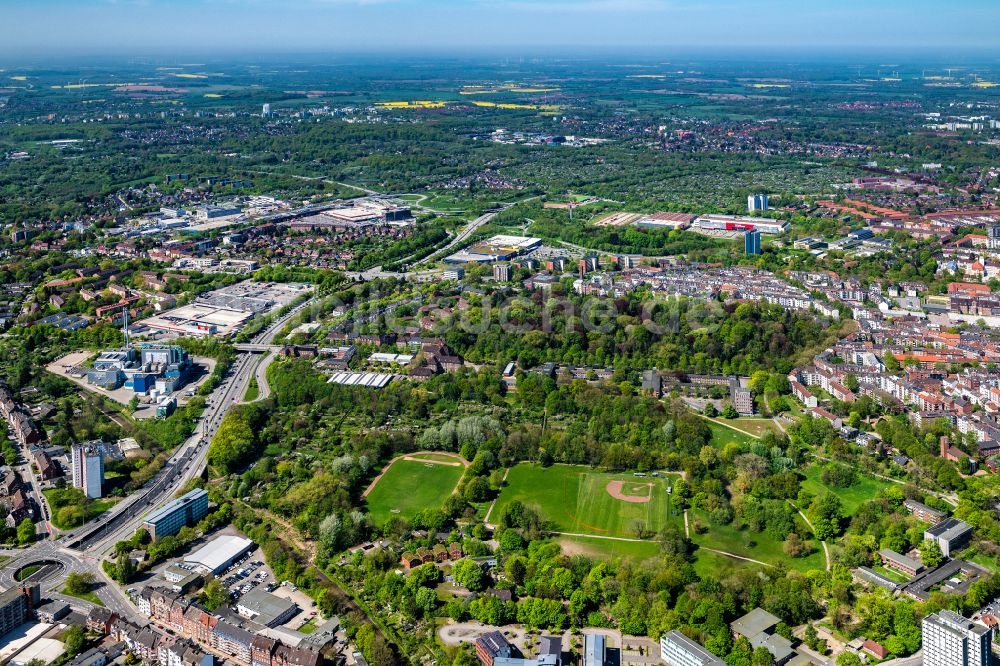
616 489
428 461
459 462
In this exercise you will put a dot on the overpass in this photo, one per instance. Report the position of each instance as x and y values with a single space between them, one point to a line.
253 348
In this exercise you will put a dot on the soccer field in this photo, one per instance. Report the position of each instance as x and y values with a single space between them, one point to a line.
577 499
410 486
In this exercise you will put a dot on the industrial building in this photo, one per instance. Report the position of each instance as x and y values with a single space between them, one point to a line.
153 367
200 320
211 212
952 640
666 221
265 608
87 463
182 512
219 554
374 380
740 223
497 248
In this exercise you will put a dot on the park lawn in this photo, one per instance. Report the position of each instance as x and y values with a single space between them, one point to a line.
722 435
864 489
766 549
410 486
95 508
574 499
707 563
755 427
90 596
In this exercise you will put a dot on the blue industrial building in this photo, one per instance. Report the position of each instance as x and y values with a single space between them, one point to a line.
141 369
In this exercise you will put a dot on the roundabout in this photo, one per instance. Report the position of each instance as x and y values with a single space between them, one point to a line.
38 571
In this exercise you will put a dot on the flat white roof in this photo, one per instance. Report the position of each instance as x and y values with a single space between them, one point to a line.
45 650
512 241
219 552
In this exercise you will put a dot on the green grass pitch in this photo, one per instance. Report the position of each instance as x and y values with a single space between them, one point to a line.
410 486
575 499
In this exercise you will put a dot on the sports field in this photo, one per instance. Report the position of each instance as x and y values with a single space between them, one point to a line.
579 500
410 486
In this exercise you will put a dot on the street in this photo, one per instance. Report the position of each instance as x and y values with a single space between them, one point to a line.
83 549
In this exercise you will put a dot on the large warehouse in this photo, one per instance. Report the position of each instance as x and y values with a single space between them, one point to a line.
218 554
497 248
740 223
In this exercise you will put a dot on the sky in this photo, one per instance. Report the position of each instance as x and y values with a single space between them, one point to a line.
37 28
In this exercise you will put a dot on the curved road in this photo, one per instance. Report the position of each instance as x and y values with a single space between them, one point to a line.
83 549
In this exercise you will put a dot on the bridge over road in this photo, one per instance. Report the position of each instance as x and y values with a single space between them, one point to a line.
251 348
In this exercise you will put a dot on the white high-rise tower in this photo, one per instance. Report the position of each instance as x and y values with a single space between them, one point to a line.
87 461
952 640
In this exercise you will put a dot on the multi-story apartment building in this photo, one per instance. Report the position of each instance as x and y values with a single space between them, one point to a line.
16 605
87 462
952 640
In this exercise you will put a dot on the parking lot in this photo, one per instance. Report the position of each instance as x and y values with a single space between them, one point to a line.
246 574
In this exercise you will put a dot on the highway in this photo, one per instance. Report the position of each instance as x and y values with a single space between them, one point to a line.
376 272
83 549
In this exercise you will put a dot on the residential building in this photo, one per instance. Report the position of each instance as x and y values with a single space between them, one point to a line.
502 272
182 512
676 649
453 274
491 646
232 640
894 560
741 396
751 242
756 202
952 640
52 612
924 512
99 620
16 606
47 468
87 463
